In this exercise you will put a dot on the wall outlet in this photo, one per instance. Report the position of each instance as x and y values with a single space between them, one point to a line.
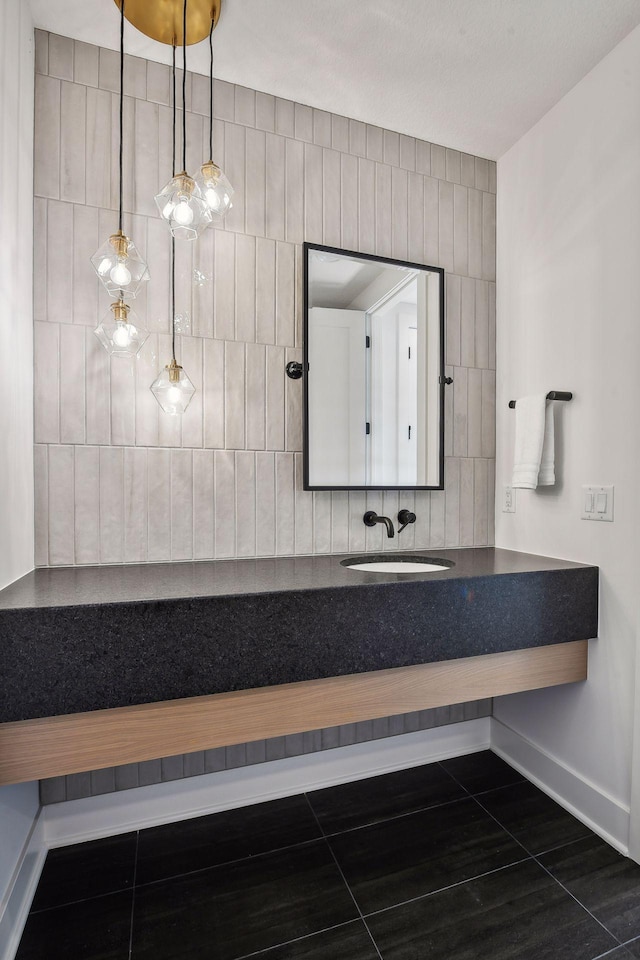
597 503
508 500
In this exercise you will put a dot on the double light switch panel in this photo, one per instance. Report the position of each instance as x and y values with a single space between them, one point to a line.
597 503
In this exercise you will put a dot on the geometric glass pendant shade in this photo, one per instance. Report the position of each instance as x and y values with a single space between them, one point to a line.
120 333
120 267
216 190
183 208
173 389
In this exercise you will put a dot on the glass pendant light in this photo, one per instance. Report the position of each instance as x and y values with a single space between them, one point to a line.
172 388
120 266
118 262
120 333
213 184
180 202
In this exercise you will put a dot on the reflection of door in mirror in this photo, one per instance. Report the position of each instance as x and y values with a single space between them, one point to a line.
337 395
374 365
395 342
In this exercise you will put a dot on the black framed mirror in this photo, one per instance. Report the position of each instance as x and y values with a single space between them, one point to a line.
373 372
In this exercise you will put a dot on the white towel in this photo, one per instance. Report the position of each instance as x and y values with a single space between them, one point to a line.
534 445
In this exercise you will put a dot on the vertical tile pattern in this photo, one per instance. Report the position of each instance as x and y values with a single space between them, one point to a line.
118 480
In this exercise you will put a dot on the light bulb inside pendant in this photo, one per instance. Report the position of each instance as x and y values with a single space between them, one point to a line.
120 275
122 335
182 213
174 394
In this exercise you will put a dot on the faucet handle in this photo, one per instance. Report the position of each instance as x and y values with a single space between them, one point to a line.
405 517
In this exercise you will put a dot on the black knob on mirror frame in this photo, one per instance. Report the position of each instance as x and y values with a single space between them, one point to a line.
294 369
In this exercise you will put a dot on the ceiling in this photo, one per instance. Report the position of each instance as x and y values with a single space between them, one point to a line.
471 74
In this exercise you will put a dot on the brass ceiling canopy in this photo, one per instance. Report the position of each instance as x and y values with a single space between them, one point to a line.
162 19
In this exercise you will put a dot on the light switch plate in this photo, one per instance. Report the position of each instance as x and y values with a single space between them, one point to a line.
508 499
597 503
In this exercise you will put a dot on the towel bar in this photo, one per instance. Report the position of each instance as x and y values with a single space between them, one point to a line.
552 395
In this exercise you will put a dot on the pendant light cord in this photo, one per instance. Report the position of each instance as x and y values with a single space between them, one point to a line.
173 124
184 86
173 239
211 90
121 164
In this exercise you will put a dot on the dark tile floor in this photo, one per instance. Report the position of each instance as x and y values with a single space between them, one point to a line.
455 860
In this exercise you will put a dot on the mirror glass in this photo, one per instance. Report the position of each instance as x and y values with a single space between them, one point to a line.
374 369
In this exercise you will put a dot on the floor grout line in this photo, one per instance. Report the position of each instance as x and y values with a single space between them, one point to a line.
73 903
133 894
286 943
395 816
228 863
344 880
450 886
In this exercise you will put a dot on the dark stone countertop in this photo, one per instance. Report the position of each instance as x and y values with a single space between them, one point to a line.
88 638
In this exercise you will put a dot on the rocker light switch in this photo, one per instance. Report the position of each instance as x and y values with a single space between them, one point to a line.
597 503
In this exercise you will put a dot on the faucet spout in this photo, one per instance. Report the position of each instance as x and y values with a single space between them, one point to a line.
371 518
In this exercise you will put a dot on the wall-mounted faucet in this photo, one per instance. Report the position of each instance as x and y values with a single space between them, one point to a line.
405 517
371 518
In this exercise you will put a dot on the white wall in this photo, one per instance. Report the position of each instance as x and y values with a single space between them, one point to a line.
18 804
569 319
16 313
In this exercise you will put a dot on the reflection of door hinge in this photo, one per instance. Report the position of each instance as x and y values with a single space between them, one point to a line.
409 353
409 431
368 428
368 341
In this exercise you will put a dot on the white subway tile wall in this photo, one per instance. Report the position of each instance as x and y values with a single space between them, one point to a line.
119 481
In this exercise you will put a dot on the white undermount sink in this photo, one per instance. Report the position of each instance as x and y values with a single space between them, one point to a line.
397 564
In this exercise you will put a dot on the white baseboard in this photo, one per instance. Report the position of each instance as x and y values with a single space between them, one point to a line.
76 820
16 909
599 811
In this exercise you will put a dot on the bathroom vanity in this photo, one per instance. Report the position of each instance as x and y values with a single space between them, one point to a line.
111 665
